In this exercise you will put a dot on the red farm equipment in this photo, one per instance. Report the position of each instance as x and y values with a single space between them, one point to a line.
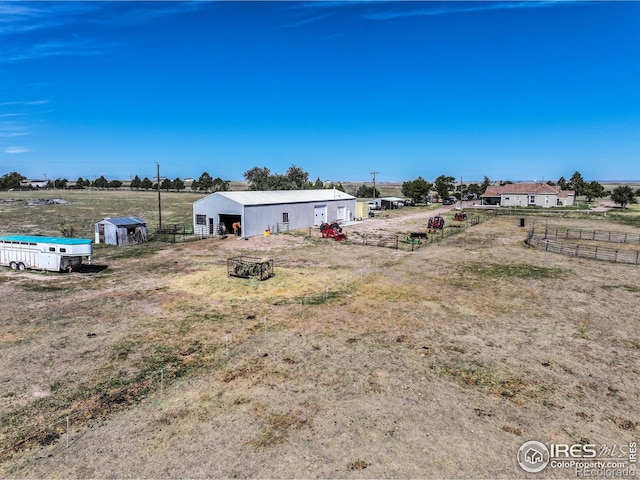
332 230
435 223
460 217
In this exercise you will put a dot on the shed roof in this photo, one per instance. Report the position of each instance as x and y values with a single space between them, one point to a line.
122 221
270 197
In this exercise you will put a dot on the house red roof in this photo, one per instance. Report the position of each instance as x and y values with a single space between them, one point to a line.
530 188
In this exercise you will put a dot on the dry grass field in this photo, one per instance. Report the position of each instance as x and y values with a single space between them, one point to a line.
351 362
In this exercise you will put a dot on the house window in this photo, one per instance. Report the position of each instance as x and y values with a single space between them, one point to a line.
52 249
201 219
506 199
532 199
63 250
285 217
546 199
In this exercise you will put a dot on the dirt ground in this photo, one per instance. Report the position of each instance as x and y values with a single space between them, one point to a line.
351 362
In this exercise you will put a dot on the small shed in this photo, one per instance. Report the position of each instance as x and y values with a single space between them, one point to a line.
389 203
121 231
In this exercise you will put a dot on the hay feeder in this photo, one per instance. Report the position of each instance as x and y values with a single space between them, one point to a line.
250 267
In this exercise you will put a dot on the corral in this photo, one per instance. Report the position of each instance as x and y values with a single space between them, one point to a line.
351 362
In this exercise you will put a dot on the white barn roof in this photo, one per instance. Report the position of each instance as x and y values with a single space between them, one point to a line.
271 197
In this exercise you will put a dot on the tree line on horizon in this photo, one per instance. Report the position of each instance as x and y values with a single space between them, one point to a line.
295 178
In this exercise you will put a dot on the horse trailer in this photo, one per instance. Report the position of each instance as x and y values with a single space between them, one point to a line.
53 254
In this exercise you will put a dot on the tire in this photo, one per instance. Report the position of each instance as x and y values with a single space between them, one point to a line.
22 267
13 265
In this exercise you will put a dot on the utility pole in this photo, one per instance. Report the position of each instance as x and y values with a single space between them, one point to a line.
159 204
374 182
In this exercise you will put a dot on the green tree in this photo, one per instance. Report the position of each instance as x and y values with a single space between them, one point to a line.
60 183
417 190
298 178
115 184
146 184
319 184
475 190
623 195
443 185
11 180
366 191
593 190
82 183
204 182
577 183
484 185
219 185
258 178
135 183
166 184
562 183
101 182
178 184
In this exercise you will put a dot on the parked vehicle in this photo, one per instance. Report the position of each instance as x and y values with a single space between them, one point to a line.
20 252
449 201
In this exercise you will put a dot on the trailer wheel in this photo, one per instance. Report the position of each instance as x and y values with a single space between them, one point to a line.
13 265
21 267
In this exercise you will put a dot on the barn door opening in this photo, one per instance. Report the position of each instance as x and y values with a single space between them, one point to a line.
101 233
228 221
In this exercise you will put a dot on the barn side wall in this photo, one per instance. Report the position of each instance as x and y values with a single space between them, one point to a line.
258 218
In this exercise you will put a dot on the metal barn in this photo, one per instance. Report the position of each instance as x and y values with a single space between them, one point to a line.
121 231
275 211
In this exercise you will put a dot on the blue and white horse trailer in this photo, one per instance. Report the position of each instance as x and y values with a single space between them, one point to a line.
53 254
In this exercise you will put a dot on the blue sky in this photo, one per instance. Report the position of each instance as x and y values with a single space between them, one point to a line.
510 90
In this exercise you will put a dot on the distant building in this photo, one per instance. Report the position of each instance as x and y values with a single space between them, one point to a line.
527 194
34 183
276 211
121 231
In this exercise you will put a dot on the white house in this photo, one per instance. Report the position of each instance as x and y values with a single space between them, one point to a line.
276 210
527 194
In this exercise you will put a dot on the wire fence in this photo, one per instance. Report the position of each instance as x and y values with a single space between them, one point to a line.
593 235
586 244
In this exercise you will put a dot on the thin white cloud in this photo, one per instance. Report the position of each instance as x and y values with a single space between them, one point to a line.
308 20
448 8
14 150
29 102
57 48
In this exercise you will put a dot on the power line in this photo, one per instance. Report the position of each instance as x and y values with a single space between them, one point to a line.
374 182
